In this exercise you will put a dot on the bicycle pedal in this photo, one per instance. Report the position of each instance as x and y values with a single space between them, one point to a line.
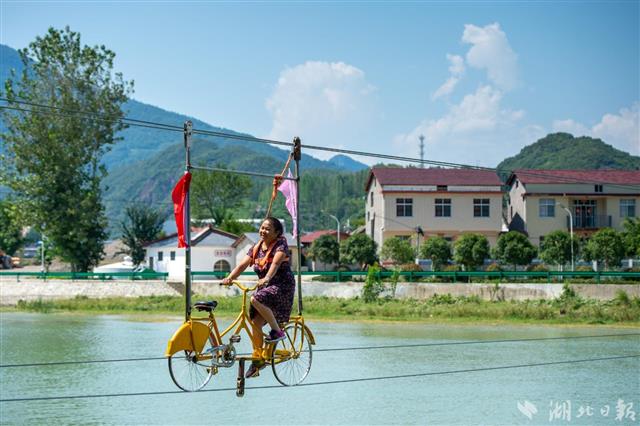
234 338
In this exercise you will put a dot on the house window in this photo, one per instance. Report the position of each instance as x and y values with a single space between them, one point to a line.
443 207
628 208
598 188
160 256
547 207
221 266
480 207
371 199
172 255
404 207
441 188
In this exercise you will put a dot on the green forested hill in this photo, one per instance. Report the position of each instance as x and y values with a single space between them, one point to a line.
151 181
563 151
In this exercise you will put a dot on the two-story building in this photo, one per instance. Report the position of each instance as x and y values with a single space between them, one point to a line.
412 202
543 201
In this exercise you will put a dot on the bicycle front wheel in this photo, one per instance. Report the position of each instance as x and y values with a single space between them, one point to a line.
191 371
292 356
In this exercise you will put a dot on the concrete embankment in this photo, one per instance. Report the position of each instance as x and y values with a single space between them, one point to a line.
11 291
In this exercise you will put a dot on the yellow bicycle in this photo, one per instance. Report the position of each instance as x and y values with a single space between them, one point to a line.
196 351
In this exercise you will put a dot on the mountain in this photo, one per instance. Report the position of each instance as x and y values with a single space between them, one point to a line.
347 163
564 151
140 143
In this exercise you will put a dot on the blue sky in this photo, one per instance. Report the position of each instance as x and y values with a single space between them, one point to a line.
479 79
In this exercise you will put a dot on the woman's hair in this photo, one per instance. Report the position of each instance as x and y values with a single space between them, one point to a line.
276 224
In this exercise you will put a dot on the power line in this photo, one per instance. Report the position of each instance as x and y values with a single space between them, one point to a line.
328 382
353 348
161 126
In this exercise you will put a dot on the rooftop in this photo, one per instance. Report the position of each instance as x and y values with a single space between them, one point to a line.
624 177
415 176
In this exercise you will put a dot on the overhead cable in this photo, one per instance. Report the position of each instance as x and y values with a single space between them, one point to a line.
352 348
327 382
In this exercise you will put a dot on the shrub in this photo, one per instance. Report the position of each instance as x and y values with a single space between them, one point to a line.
584 268
373 285
537 268
410 267
493 267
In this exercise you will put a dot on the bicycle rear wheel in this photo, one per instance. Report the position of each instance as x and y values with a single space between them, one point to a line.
292 356
191 371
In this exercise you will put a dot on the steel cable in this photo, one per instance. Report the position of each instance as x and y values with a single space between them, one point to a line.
353 348
327 382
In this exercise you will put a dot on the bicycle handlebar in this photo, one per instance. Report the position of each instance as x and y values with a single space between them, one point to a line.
240 286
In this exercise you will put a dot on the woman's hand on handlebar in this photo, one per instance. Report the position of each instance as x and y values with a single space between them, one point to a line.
227 281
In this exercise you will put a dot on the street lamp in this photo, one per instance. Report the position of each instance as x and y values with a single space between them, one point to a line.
570 232
338 222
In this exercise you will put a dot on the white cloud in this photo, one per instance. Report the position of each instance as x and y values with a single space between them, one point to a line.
456 69
621 130
491 51
327 104
478 130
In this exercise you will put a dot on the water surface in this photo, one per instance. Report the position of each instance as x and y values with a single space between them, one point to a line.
558 393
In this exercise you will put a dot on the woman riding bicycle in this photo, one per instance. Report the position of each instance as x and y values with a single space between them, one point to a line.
273 300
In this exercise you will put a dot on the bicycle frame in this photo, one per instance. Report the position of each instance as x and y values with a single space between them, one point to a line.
193 334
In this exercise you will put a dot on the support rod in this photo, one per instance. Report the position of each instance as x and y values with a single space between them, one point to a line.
188 130
297 154
240 172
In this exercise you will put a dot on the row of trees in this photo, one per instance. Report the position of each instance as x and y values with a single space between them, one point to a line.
513 249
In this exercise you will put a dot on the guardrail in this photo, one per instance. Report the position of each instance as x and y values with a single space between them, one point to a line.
76 276
339 276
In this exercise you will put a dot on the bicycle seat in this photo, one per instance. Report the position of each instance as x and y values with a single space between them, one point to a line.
206 306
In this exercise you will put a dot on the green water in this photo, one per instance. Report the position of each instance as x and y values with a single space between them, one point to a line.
464 398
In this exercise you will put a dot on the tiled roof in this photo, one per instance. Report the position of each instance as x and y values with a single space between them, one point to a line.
415 176
312 236
624 177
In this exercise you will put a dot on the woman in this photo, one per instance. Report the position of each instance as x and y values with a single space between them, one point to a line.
272 302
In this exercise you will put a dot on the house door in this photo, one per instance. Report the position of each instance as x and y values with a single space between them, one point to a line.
150 262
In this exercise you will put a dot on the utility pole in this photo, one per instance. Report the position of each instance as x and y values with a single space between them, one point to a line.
421 137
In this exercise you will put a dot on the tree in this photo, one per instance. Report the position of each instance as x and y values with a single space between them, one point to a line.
10 230
605 246
214 195
325 249
237 228
556 248
52 153
514 248
142 224
360 249
398 250
438 250
471 250
631 236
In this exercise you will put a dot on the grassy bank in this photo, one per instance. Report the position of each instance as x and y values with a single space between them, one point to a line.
567 309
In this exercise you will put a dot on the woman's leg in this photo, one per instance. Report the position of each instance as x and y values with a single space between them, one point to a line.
257 322
266 313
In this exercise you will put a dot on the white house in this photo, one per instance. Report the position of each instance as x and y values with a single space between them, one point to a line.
211 250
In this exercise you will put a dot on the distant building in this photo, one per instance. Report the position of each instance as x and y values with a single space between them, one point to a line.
211 250
596 199
306 241
408 202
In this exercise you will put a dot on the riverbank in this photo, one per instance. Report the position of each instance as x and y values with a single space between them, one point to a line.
569 308
33 289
